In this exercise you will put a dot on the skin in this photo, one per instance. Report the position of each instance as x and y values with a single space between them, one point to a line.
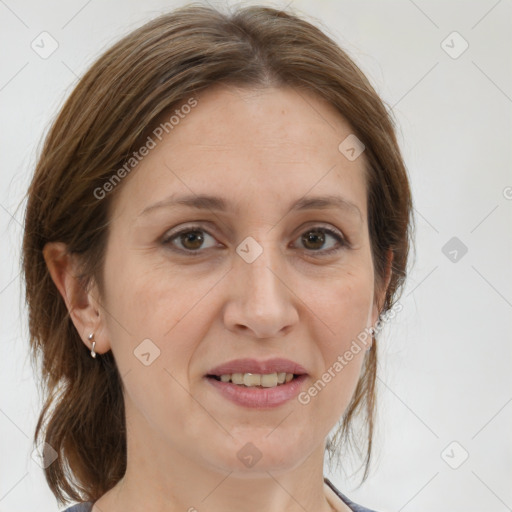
260 150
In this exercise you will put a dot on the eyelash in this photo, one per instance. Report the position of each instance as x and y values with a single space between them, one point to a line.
343 243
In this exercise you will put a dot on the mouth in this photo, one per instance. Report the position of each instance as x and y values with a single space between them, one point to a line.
256 380
258 384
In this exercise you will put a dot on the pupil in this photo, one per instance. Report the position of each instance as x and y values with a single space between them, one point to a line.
312 237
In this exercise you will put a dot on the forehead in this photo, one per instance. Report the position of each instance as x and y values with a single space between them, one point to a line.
271 144
272 116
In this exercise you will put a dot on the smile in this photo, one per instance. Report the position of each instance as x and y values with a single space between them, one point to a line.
259 396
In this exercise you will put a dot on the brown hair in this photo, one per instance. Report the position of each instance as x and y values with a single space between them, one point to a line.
148 72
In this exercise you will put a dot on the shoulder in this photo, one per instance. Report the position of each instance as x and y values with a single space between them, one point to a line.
80 507
353 506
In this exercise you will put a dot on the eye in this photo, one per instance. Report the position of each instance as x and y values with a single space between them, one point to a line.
314 239
189 240
192 238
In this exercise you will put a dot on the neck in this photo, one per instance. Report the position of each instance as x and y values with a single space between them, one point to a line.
162 477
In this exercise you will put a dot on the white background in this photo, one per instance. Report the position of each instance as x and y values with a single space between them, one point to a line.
445 360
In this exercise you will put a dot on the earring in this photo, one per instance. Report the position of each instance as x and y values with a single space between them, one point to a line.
90 337
372 333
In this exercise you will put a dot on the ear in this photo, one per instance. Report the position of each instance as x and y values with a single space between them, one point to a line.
81 302
379 298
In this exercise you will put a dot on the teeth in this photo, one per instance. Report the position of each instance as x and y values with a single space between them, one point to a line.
237 378
252 379
269 380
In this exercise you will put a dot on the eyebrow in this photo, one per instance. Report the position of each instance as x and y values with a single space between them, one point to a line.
207 202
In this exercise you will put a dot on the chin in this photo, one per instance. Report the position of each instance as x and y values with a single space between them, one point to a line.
253 453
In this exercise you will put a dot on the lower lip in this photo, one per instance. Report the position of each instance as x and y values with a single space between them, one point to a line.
259 398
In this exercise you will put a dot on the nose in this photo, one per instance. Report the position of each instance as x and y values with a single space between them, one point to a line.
261 304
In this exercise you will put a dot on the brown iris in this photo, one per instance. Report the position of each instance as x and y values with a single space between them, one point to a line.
194 237
314 237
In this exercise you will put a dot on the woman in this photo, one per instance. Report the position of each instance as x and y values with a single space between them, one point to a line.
218 222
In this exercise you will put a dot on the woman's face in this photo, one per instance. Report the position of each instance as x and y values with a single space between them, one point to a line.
257 279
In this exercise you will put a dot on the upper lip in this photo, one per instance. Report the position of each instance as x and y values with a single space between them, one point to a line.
276 365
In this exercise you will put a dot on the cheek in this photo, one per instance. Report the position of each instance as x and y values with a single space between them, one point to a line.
344 305
342 309
351 308
138 294
156 322
154 303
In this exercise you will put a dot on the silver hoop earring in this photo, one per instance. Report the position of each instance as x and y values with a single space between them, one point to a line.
90 337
